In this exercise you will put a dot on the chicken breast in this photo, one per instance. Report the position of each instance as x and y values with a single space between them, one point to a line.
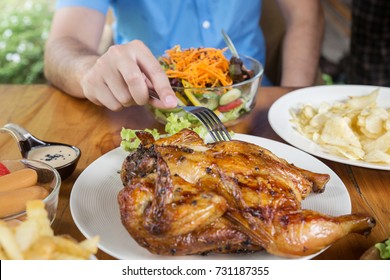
182 196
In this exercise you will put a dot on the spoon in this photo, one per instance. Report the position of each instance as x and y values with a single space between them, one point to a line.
230 44
236 66
62 157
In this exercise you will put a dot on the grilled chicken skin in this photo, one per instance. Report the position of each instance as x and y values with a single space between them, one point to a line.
182 196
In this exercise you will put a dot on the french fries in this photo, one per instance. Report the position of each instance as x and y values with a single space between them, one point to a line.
33 239
356 129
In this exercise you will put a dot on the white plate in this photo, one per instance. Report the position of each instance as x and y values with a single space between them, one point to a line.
279 116
95 210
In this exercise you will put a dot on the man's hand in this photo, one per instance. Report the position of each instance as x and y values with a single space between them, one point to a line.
116 79
122 77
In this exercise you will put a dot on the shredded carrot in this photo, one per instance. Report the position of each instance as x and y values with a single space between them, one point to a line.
201 67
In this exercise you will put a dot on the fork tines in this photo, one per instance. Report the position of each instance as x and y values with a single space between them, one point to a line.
213 124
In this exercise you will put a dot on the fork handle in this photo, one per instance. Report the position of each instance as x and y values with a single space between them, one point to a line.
153 94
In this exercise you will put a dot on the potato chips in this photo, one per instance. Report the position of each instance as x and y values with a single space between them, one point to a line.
33 239
357 128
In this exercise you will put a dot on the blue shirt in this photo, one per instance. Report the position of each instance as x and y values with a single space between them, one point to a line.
162 24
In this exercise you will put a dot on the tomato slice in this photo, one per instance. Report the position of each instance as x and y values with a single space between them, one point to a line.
230 106
4 170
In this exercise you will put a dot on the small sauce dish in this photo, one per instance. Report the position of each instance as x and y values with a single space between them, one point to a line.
62 157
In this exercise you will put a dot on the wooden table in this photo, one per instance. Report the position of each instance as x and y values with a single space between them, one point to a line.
52 115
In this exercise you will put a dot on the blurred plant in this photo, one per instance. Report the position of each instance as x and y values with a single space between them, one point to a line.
24 27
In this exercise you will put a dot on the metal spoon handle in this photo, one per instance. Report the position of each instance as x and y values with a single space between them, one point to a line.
24 139
16 131
230 44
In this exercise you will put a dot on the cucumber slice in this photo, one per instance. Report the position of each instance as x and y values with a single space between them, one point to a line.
211 104
230 96
173 110
209 100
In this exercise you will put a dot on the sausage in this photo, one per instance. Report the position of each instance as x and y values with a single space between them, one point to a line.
13 202
22 178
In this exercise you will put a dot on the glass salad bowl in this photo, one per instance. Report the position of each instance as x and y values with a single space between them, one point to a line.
230 103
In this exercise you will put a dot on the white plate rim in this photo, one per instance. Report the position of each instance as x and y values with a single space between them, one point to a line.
88 220
279 117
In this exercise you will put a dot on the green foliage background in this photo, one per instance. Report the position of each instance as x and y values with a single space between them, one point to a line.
24 27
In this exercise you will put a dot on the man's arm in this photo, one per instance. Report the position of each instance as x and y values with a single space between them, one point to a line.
302 41
72 46
116 79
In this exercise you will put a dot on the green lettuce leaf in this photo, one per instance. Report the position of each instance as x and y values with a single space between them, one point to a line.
174 124
384 249
130 140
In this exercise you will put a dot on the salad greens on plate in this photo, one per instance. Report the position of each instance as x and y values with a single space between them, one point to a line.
384 249
174 124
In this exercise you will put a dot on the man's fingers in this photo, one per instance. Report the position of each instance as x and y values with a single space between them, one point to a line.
107 98
117 86
155 74
135 82
123 76
161 85
102 95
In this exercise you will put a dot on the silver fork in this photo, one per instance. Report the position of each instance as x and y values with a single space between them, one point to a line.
210 120
207 117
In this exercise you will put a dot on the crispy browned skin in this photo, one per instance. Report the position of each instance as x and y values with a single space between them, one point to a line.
182 196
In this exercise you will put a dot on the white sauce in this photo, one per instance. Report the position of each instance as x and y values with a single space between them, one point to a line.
54 155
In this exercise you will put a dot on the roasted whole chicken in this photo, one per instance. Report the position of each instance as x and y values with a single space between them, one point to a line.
182 196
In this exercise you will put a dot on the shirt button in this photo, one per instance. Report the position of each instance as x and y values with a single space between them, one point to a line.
206 24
